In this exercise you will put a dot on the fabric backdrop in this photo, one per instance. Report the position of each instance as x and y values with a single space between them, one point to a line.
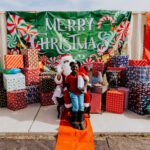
88 36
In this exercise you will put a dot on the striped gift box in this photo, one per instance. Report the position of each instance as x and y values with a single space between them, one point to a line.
14 61
17 99
31 58
115 101
3 99
32 76
46 98
96 103
142 62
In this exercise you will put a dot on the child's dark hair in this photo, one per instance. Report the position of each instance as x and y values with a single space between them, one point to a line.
72 63
79 64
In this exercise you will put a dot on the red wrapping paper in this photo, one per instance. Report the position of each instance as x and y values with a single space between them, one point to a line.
17 99
138 62
32 76
96 103
115 101
46 98
31 58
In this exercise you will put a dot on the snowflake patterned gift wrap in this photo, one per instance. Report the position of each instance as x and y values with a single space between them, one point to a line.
142 62
115 101
14 61
32 76
14 81
17 99
138 73
119 61
31 58
46 98
139 96
33 94
3 99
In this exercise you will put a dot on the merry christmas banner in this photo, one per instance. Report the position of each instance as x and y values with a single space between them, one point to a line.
87 35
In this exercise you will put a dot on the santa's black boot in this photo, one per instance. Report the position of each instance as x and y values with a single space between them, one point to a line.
81 120
74 119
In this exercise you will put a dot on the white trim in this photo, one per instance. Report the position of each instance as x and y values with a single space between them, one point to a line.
86 104
68 105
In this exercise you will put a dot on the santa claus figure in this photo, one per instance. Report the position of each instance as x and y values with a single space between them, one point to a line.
63 70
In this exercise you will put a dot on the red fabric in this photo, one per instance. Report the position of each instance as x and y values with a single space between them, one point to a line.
115 101
72 81
82 70
87 97
147 37
96 103
73 139
138 62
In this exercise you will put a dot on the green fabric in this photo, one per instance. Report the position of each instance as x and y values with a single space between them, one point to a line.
81 34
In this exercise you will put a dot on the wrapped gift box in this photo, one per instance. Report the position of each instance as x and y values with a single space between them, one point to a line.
113 78
138 62
96 103
46 98
32 76
14 61
138 73
33 94
47 82
31 58
115 101
97 67
126 95
97 88
3 98
17 99
122 74
1 80
119 61
14 81
139 96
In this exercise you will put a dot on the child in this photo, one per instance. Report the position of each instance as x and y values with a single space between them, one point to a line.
76 96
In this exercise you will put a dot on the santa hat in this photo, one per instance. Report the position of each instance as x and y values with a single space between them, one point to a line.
67 57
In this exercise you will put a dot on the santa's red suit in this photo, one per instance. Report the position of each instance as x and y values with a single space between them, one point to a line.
63 70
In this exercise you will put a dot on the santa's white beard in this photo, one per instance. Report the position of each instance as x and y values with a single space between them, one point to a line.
66 69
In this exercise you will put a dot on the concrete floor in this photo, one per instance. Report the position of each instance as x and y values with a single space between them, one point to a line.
35 118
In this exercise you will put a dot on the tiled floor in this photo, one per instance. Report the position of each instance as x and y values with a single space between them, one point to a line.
44 119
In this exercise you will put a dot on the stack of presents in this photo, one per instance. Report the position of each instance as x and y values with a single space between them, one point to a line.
27 86
128 86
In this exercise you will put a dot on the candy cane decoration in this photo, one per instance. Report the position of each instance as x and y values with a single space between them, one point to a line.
104 19
30 32
16 25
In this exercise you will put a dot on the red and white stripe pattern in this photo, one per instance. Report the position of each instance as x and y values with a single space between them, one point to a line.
122 30
16 25
53 62
14 61
109 18
30 32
